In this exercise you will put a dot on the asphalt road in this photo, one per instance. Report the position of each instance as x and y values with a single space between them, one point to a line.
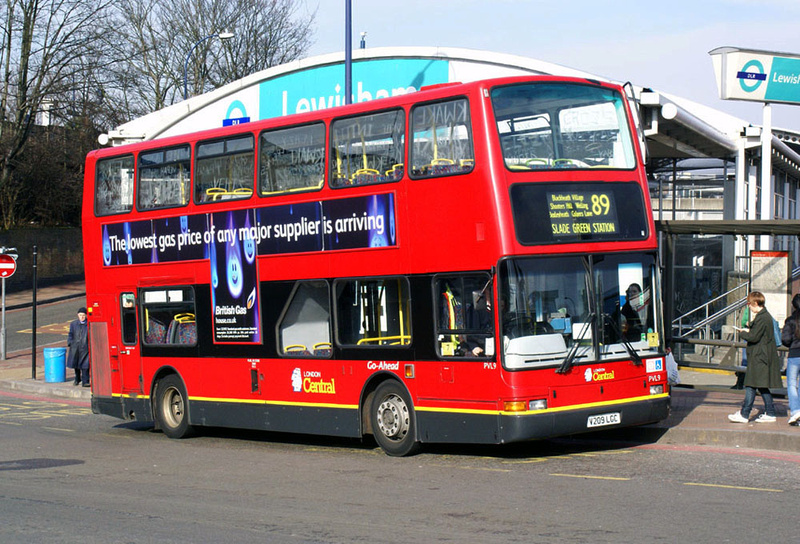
52 324
70 476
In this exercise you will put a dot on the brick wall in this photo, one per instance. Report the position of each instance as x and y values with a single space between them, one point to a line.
59 256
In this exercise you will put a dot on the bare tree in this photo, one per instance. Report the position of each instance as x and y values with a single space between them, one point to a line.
46 44
99 63
157 39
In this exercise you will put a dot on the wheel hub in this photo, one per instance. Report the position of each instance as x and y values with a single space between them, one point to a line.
393 418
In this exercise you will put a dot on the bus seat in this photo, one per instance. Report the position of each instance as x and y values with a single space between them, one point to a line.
156 332
537 163
296 350
395 173
365 176
322 349
183 333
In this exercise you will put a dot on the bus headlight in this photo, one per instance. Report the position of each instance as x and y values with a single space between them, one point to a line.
538 404
656 389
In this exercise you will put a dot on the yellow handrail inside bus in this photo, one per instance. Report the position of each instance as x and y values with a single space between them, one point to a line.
402 339
531 162
294 348
294 189
363 150
215 192
184 318
402 312
183 188
395 167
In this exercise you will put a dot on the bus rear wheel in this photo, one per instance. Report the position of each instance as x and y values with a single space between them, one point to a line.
172 408
392 420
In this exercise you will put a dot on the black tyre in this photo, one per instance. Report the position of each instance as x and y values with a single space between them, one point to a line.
392 418
172 408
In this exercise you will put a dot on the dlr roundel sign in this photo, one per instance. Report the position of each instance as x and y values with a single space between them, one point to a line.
7 266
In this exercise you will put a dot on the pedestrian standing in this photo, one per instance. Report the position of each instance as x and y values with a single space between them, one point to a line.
790 337
763 364
78 343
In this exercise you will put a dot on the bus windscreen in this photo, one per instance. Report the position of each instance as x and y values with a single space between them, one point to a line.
548 126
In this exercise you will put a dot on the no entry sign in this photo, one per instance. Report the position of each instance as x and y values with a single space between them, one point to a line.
7 266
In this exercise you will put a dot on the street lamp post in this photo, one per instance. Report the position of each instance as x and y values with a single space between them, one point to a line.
224 35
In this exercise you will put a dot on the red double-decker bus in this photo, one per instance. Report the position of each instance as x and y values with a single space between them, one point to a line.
470 263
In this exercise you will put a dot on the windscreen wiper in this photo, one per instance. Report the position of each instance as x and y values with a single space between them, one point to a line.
569 360
624 341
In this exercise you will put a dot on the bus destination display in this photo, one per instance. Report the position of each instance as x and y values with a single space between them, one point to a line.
576 213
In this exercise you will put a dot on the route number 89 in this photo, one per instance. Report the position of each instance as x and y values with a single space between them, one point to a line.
600 204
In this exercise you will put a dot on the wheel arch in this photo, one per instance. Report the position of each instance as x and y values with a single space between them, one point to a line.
160 374
368 392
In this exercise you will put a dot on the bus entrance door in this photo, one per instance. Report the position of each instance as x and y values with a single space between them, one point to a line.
128 358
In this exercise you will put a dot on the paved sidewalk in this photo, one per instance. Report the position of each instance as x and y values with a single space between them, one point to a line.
699 415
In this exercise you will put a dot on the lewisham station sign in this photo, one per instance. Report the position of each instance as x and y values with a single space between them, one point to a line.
760 76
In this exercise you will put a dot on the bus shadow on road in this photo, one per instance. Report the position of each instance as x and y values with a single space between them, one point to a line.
37 463
586 443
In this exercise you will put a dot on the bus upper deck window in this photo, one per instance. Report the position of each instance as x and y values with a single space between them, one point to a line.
441 139
224 169
368 149
114 185
291 160
164 178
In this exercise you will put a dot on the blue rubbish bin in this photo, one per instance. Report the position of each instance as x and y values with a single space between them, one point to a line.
55 364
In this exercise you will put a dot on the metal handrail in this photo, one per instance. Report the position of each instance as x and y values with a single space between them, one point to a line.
712 301
678 321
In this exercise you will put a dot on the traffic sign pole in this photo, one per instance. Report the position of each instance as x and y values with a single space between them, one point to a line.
3 324
8 265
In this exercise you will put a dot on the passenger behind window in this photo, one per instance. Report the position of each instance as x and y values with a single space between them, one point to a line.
479 318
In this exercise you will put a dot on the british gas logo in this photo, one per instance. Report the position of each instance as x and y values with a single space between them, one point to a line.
598 375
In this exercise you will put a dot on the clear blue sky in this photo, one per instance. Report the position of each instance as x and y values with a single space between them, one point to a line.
663 45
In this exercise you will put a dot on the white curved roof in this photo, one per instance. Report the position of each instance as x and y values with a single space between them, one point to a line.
464 65
317 82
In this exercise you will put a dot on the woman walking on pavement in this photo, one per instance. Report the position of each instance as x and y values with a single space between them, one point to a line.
790 337
763 363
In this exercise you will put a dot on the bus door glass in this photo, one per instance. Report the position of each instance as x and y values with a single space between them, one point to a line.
130 361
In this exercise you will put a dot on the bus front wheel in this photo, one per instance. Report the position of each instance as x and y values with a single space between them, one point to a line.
393 420
171 408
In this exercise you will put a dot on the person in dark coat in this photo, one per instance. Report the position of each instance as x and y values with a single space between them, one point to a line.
790 337
763 364
78 343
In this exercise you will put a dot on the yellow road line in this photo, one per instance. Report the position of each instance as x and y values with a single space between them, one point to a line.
486 469
591 477
743 488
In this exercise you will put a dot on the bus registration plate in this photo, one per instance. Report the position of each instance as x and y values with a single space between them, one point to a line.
601 420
